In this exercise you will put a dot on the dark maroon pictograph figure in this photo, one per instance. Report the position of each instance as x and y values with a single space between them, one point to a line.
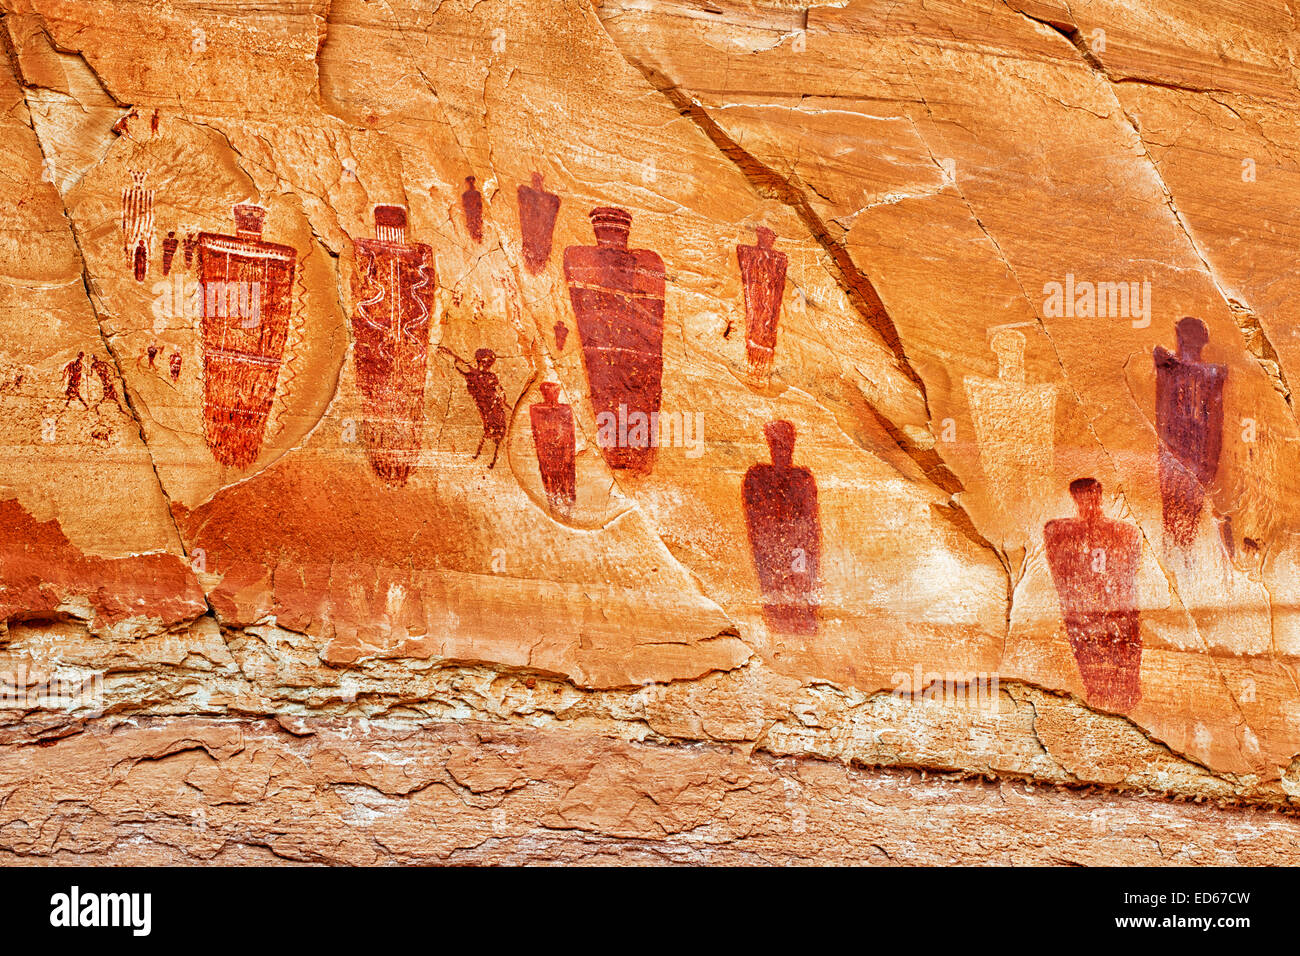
471 201
1189 421
490 399
561 334
246 292
174 364
1094 564
137 225
393 285
169 245
191 242
537 211
553 437
618 301
762 273
784 524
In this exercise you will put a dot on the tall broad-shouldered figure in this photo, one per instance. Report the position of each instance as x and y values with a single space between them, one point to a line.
784 523
1189 421
393 287
1094 563
618 301
246 287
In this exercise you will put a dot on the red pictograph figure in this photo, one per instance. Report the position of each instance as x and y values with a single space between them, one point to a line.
246 291
537 211
104 372
191 241
1189 421
169 252
762 273
618 301
123 126
153 122
1094 563
490 399
72 373
553 437
561 334
471 201
174 366
393 286
137 225
784 534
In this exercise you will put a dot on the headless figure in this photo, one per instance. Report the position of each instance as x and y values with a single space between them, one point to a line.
485 388
1094 563
1189 420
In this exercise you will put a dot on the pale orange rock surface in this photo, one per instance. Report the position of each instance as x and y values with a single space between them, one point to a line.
280 295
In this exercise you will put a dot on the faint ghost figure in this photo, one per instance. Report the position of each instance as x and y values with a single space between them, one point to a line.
1015 426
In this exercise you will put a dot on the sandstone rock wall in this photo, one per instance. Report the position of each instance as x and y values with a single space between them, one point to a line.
335 525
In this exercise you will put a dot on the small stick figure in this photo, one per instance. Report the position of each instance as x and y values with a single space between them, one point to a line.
105 374
72 381
485 388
